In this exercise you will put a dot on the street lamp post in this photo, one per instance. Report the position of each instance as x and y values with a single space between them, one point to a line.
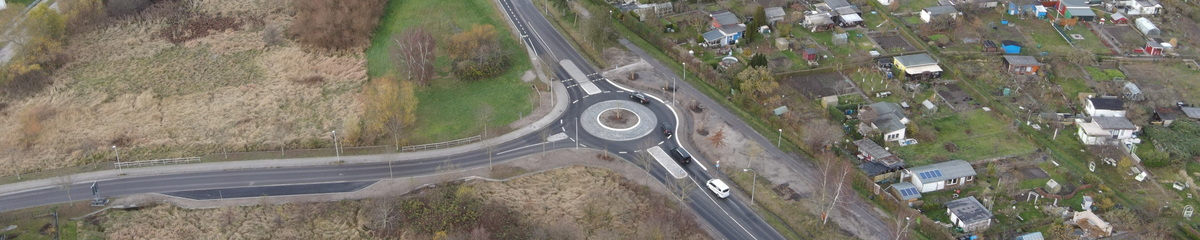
336 151
118 153
753 186
675 86
779 139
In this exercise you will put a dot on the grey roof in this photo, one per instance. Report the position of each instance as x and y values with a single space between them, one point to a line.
1021 60
1154 44
1116 16
1114 123
725 18
1107 103
835 4
1147 3
915 60
939 10
943 171
712 35
1132 88
732 29
907 190
1075 3
775 12
1192 112
1031 236
969 210
889 115
1081 12
874 168
878 153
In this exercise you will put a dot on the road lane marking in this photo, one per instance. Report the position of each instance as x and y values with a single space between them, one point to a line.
735 221
556 137
622 152
514 149
701 165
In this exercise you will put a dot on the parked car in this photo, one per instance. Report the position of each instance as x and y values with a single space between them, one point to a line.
718 187
639 97
667 128
681 155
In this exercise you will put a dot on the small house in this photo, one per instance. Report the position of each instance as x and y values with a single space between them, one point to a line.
1014 8
1146 27
724 18
990 46
1076 9
818 21
783 44
1104 107
906 192
970 215
1136 7
1020 64
930 13
774 14
1011 47
1164 116
870 151
890 120
811 54
884 63
1092 225
844 13
1039 11
980 3
1118 18
918 66
1153 48
1107 131
938 176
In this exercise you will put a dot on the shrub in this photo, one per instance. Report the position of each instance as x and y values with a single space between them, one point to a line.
83 15
336 25
477 53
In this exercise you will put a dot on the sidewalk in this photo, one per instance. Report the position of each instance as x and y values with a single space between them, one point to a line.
560 102
855 215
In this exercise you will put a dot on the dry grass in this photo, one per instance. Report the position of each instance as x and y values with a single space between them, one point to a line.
227 89
565 203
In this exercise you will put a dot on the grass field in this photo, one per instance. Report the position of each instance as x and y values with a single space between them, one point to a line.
449 107
978 135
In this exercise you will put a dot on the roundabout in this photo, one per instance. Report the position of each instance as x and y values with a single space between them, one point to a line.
618 120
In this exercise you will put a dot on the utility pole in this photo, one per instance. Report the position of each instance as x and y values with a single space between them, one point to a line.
577 133
336 152
779 139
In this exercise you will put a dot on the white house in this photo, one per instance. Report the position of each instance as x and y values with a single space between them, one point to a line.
2 5
929 13
1136 7
890 120
1104 107
968 214
1092 225
1107 131
938 176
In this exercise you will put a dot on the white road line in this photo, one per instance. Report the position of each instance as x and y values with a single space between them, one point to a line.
661 142
564 129
560 121
735 221
576 100
581 145
698 163
622 152
514 149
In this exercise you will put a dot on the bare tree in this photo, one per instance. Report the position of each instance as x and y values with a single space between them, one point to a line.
384 214
819 134
867 114
415 53
485 118
833 167
717 139
64 182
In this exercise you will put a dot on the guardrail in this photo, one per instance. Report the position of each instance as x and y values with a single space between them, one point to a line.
157 162
446 144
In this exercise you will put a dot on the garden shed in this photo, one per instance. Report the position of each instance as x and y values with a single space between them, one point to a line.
1146 27
1118 18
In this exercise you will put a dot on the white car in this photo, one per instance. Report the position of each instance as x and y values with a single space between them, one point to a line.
718 187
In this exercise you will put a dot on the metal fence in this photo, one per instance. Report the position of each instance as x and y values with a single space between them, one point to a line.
157 162
446 144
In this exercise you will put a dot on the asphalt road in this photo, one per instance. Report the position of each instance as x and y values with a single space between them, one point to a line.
730 218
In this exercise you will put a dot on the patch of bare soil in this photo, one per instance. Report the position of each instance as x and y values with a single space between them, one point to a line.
181 79
618 118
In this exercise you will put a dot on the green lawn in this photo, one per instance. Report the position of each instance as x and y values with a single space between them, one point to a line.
448 108
989 137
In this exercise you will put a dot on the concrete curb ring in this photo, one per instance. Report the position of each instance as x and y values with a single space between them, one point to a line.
590 120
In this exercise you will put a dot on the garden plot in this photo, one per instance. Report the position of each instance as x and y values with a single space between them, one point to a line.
818 85
1163 81
892 42
1125 36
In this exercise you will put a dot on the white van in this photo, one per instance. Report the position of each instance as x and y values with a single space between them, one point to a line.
718 187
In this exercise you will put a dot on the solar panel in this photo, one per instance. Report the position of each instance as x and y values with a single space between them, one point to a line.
938 173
